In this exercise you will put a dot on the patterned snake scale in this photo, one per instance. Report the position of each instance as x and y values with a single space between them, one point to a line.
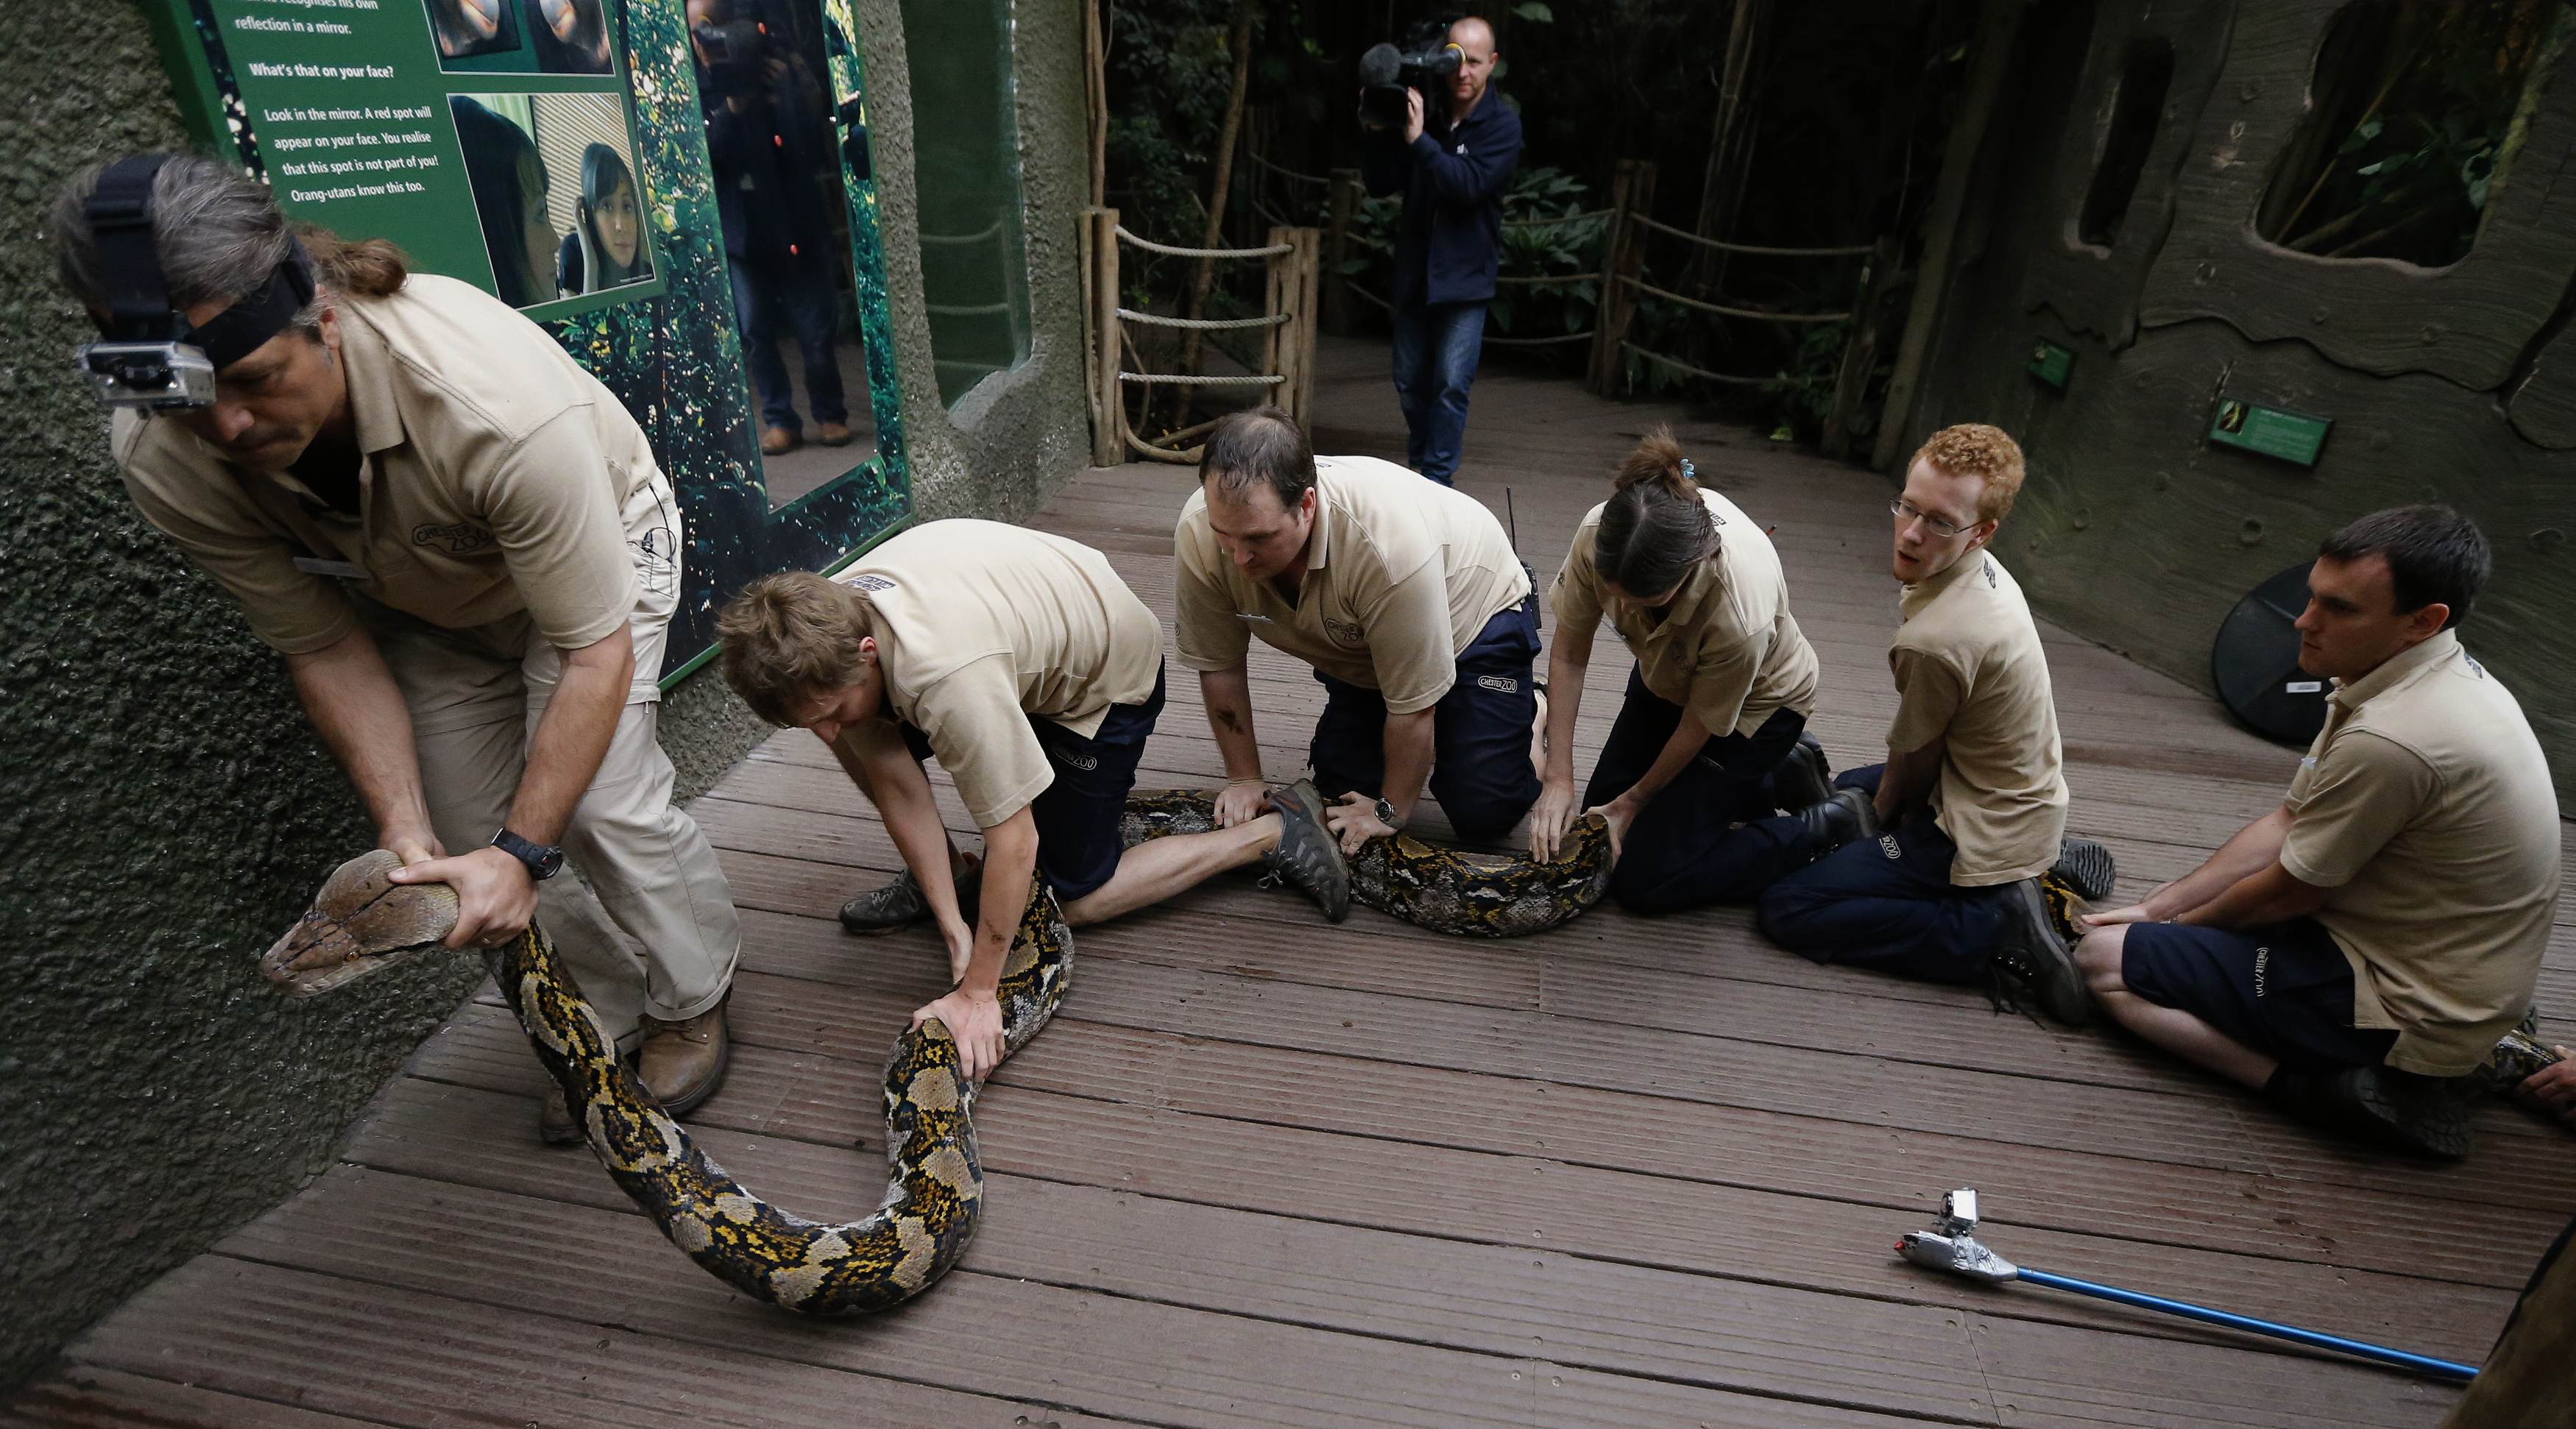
935 1186
1434 888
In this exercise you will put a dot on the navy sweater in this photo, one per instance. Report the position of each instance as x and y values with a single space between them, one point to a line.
1452 179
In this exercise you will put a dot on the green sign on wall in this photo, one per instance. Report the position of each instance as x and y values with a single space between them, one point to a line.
2271 431
2051 363
464 129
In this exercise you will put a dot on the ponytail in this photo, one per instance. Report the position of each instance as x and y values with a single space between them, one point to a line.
1654 528
355 268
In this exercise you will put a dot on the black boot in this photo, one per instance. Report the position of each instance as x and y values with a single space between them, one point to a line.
2034 958
2084 866
1802 780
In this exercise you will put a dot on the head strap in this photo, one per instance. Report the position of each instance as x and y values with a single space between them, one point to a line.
234 333
120 224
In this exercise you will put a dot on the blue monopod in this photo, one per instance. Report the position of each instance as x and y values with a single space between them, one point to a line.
1952 1245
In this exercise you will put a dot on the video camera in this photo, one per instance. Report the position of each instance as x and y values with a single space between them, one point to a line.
150 357
1424 62
737 54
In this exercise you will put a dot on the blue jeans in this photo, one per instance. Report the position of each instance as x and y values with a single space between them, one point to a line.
1436 347
1480 732
1888 903
803 286
1714 834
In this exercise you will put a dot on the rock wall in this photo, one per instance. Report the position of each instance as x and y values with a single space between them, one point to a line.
2444 384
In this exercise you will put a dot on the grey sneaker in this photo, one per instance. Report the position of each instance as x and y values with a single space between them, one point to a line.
2034 960
901 904
2425 1116
2084 866
1308 855
1802 780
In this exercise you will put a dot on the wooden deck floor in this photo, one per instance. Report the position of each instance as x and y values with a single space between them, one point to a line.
1263 1169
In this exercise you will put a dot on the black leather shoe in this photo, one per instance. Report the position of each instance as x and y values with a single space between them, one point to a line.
901 904
1308 856
1846 817
1803 779
2034 957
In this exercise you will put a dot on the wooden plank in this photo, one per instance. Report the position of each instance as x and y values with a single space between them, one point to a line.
92 1397
1516 1209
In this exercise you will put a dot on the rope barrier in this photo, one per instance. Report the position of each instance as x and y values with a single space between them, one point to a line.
1687 236
1185 380
1274 215
1723 310
1543 279
1202 324
1275 250
1282 171
1555 222
1680 366
1583 336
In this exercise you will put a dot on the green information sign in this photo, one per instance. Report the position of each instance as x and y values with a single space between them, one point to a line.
492 140
2051 363
2271 431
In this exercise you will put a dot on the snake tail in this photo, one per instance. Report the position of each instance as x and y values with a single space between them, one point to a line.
935 1181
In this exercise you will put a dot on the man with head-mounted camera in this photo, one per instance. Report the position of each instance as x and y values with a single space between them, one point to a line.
460 542
1451 158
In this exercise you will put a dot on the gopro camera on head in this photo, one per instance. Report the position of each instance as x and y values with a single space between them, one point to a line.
153 376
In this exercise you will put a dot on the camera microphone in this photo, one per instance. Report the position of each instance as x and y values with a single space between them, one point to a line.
1380 65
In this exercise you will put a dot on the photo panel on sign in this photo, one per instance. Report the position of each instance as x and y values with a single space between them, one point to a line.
523 36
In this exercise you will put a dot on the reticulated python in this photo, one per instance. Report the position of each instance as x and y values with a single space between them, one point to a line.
935 1184
361 922
1435 888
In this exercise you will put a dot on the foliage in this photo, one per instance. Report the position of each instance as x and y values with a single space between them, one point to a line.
1546 233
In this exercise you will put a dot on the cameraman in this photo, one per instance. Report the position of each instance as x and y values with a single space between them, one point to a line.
766 137
1452 164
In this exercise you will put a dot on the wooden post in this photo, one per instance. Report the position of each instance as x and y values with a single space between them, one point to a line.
1109 397
1995 34
1095 98
1730 145
1860 349
1277 297
1632 193
1246 12
2525 1381
1309 256
1346 197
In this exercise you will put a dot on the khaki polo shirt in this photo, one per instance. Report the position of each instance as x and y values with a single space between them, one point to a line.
981 626
1970 672
494 470
1401 574
1725 647
2425 806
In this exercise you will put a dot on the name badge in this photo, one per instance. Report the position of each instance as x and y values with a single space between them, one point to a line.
337 570
1248 615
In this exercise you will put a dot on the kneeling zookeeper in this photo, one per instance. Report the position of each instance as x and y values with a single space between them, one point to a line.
461 544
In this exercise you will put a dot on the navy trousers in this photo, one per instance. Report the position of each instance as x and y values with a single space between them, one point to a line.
802 287
1888 904
1480 732
1436 349
1711 835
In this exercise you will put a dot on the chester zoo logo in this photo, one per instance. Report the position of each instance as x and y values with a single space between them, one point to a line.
1345 632
460 539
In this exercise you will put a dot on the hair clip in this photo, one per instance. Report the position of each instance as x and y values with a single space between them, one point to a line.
1688 473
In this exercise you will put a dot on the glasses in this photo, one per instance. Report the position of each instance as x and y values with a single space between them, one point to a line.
1907 509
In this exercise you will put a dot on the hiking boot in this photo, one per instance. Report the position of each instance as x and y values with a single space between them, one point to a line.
555 1126
1308 856
901 904
779 441
681 1063
1803 779
2084 866
1847 817
833 434
2034 956
2423 1116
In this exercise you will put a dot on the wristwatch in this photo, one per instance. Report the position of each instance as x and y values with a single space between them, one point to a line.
544 861
1386 815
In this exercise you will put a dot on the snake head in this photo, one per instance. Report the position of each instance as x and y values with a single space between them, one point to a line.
361 922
